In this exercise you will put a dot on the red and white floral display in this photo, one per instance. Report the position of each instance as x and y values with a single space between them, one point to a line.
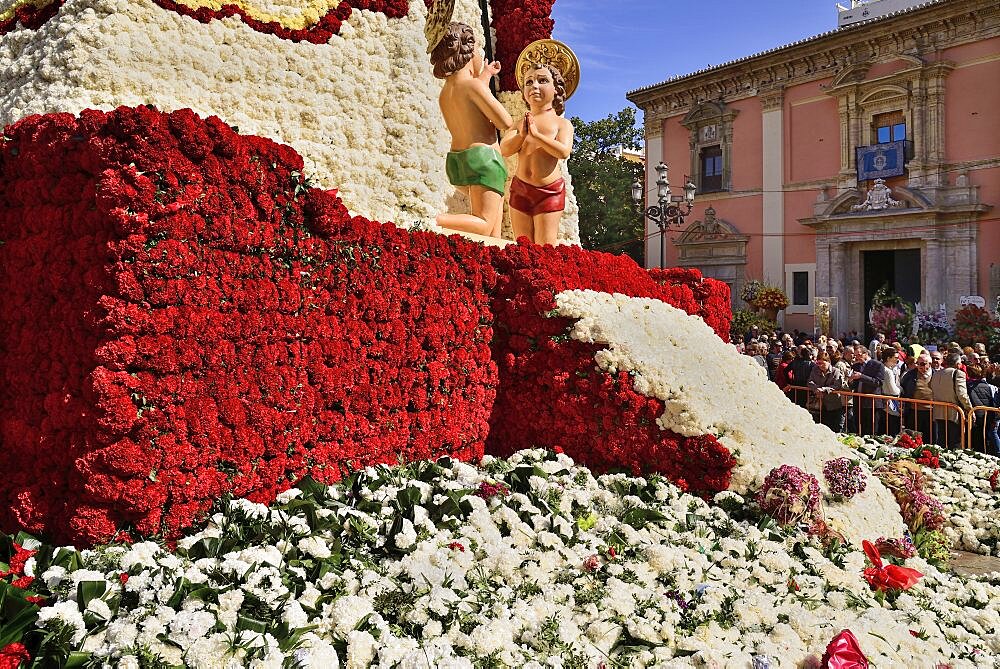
216 325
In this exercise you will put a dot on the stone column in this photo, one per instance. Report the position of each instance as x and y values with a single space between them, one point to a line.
823 265
773 244
654 155
838 282
846 148
854 310
917 134
934 128
934 283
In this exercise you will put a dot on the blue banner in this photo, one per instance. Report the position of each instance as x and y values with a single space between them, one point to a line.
881 161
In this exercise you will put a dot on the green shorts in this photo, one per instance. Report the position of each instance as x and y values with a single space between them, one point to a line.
477 166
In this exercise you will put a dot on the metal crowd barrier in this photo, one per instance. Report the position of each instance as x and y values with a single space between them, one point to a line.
863 415
977 437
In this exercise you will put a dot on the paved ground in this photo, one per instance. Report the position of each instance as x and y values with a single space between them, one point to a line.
970 564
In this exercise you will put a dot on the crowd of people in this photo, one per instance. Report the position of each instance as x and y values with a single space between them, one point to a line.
832 378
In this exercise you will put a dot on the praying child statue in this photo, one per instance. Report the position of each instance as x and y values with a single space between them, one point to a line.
473 116
541 139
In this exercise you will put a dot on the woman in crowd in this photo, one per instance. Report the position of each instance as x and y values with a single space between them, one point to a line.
890 386
983 394
823 381
781 373
799 373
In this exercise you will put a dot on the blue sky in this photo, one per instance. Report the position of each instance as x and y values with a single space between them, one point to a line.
628 44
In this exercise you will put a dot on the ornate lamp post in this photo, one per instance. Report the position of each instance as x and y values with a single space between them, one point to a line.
669 209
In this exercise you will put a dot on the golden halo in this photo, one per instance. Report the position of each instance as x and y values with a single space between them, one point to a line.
438 19
550 52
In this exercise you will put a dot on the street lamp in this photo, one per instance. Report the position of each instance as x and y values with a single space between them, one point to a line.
669 209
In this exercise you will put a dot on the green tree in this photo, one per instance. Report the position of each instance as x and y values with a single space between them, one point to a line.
602 183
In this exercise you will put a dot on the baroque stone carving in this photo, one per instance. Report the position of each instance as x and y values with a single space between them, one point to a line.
879 197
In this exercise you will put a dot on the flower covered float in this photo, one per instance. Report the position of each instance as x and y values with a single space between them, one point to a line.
196 325
234 329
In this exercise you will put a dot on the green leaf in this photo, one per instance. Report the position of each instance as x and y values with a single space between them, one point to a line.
17 615
67 558
179 593
246 623
204 594
88 590
27 541
408 498
77 658
639 518
207 547
311 487
289 640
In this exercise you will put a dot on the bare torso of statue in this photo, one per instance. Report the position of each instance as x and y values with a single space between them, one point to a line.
466 123
535 165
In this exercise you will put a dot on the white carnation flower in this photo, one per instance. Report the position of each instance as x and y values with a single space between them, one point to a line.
407 536
360 649
315 546
65 613
142 554
128 662
316 653
348 612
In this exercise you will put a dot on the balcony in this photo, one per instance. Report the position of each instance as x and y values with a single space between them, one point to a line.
882 161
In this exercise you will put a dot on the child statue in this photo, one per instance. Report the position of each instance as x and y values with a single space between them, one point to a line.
473 117
541 139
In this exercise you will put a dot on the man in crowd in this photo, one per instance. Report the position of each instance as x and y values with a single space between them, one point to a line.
867 379
846 366
826 379
948 384
874 345
936 359
774 359
916 384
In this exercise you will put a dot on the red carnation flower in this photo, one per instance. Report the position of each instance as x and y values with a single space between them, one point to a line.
12 655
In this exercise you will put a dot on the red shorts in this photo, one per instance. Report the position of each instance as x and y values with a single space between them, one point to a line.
534 200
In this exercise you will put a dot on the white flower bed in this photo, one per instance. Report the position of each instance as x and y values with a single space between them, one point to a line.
361 109
962 484
710 388
425 566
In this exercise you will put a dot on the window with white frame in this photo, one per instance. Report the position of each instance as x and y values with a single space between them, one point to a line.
800 284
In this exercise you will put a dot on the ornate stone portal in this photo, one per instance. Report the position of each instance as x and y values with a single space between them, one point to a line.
718 249
941 222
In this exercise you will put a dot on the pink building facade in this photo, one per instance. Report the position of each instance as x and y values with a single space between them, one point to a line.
773 142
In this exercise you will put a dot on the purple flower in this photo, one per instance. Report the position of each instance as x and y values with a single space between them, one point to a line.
844 477
791 496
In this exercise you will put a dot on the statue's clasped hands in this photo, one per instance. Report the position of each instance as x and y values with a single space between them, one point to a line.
528 129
